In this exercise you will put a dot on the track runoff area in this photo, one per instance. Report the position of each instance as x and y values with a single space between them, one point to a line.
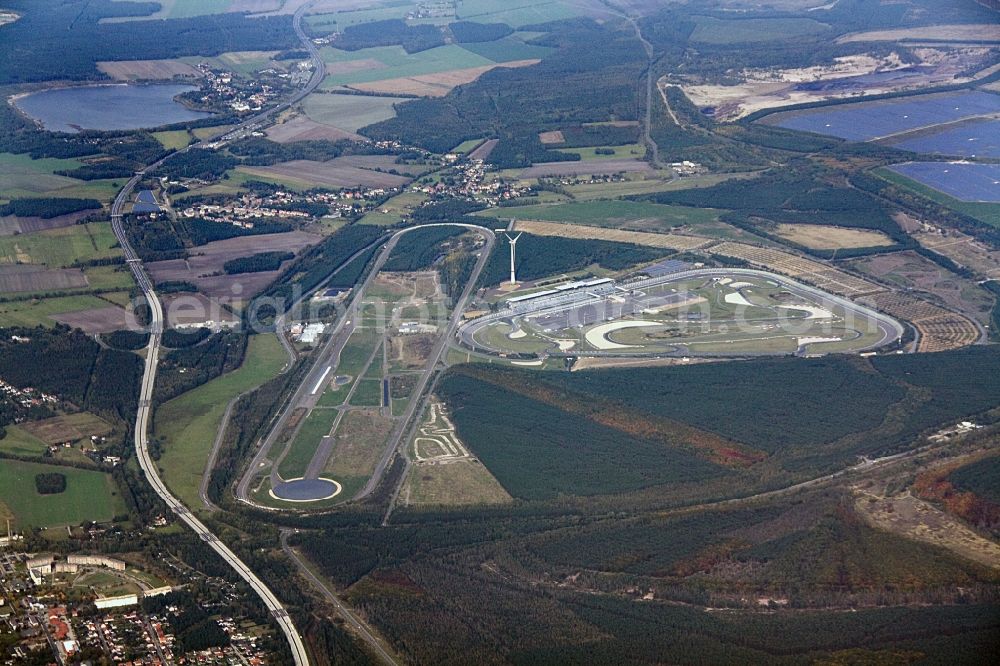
691 313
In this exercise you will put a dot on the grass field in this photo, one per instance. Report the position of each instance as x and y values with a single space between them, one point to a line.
633 215
188 424
631 150
19 442
57 248
508 49
517 13
986 212
368 393
88 496
349 112
316 426
31 313
361 439
392 62
715 31
459 483
823 237
175 139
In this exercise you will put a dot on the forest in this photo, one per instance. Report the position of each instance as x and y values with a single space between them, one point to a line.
49 29
262 261
575 84
391 32
418 250
547 256
47 208
313 266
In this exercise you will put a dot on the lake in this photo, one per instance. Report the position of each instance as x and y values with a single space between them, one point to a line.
108 107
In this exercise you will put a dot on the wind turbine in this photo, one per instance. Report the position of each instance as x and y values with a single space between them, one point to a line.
513 244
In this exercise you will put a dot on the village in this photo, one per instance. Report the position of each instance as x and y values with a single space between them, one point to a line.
99 609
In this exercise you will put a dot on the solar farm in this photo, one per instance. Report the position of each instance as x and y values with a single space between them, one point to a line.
702 312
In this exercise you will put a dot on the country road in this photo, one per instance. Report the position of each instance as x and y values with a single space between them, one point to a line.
359 626
144 412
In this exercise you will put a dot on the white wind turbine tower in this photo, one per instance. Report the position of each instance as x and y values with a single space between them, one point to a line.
513 244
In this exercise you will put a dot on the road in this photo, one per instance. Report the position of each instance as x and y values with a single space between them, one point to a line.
329 356
156 325
353 621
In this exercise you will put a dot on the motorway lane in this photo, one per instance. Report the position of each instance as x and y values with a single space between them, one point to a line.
281 616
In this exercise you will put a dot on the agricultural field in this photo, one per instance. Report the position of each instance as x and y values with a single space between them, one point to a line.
587 168
187 425
89 495
980 138
509 49
60 247
205 269
148 70
965 181
67 428
666 241
21 176
909 271
874 120
334 174
709 314
523 13
590 154
92 313
709 30
349 68
823 237
617 214
349 112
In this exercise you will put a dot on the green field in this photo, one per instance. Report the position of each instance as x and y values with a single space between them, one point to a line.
316 426
590 154
368 393
38 312
985 212
508 49
397 63
20 173
617 214
58 248
518 12
88 496
187 425
349 112
175 139
20 443
717 31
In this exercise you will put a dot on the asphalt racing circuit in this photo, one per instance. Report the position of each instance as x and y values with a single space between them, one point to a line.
700 312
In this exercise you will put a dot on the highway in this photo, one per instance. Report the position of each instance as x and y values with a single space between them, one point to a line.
144 413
